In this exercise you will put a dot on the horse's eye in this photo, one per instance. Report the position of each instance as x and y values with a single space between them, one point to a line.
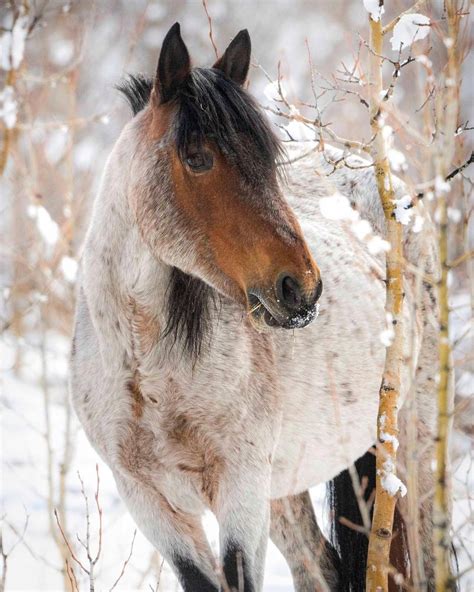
200 161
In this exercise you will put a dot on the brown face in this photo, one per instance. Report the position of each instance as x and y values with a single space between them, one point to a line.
253 239
249 238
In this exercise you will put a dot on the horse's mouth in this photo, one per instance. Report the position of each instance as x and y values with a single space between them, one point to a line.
263 314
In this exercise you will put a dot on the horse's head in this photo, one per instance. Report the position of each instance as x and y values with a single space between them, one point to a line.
205 191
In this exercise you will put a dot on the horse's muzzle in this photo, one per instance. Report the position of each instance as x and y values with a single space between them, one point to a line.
289 309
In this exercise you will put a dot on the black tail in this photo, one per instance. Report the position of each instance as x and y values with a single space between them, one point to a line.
351 545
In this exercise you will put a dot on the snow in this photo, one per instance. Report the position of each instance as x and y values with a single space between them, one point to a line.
271 91
361 228
403 212
56 144
61 51
47 227
397 160
385 437
84 153
388 334
390 482
378 245
12 44
68 267
441 186
387 133
337 207
454 215
8 107
298 130
410 28
373 8
424 60
418 224
393 485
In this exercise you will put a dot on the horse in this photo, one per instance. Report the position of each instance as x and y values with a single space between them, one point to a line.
209 369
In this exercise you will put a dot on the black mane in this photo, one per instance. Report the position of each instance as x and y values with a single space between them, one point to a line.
189 307
209 106
137 90
212 106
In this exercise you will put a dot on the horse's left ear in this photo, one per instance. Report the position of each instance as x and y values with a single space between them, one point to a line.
174 65
236 59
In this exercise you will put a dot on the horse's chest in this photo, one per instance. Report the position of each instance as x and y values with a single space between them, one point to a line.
172 443
173 455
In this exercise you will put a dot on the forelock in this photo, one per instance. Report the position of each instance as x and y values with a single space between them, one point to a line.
213 107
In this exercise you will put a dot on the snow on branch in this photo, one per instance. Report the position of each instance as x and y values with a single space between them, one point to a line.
410 28
374 8
12 44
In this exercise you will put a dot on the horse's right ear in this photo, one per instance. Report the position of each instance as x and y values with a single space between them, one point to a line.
236 59
174 65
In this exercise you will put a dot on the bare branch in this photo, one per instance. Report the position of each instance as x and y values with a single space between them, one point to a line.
124 566
211 36
66 541
460 168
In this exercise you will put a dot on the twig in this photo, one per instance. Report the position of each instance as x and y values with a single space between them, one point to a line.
6 554
352 525
124 566
72 577
460 168
461 259
430 185
66 541
211 36
31 551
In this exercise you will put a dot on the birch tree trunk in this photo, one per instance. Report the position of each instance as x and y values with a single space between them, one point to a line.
378 562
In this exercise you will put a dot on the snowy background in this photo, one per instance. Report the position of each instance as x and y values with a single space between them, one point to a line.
65 115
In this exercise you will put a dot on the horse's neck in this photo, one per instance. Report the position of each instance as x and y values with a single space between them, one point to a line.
118 269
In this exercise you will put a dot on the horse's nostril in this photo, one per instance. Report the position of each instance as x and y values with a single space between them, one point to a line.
289 292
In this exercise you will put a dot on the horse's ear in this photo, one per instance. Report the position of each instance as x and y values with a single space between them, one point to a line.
174 65
236 59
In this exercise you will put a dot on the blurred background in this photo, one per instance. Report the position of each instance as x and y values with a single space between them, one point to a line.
60 115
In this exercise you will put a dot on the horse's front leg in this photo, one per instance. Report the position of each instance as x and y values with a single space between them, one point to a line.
243 513
177 535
